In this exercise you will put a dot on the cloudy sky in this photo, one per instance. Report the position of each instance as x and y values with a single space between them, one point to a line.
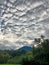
21 21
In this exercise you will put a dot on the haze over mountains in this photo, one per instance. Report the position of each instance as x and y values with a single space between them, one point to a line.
21 21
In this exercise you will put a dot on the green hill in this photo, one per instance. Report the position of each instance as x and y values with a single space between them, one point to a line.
18 59
14 57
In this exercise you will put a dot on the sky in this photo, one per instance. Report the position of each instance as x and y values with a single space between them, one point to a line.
21 21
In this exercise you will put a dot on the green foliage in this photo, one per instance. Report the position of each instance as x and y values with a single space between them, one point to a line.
4 56
10 64
37 56
40 54
13 57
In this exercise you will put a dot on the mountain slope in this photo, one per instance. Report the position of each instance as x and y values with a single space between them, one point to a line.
25 48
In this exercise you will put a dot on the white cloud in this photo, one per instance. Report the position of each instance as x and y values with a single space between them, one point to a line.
23 21
34 5
12 1
1 36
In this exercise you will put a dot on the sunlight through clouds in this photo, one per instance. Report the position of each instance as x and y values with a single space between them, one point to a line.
23 20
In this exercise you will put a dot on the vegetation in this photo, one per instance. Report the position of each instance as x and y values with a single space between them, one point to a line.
11 57
39 55
10 64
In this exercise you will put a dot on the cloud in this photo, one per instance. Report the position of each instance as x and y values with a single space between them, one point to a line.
23 20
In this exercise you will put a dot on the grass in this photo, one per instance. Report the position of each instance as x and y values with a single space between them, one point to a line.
10 64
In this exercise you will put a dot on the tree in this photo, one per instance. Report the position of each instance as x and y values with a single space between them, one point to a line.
41 54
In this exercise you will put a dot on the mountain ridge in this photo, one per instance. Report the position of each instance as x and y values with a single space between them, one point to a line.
25 48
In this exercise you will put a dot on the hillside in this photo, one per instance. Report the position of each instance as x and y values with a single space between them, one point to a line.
11 56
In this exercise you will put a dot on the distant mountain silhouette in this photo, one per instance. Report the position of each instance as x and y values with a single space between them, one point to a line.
25 48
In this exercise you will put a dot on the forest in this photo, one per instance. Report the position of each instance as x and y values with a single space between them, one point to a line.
38 55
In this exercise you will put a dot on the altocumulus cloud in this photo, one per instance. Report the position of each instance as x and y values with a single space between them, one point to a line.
21 21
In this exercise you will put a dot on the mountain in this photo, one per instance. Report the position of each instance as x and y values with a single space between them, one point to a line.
15 56
25 48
